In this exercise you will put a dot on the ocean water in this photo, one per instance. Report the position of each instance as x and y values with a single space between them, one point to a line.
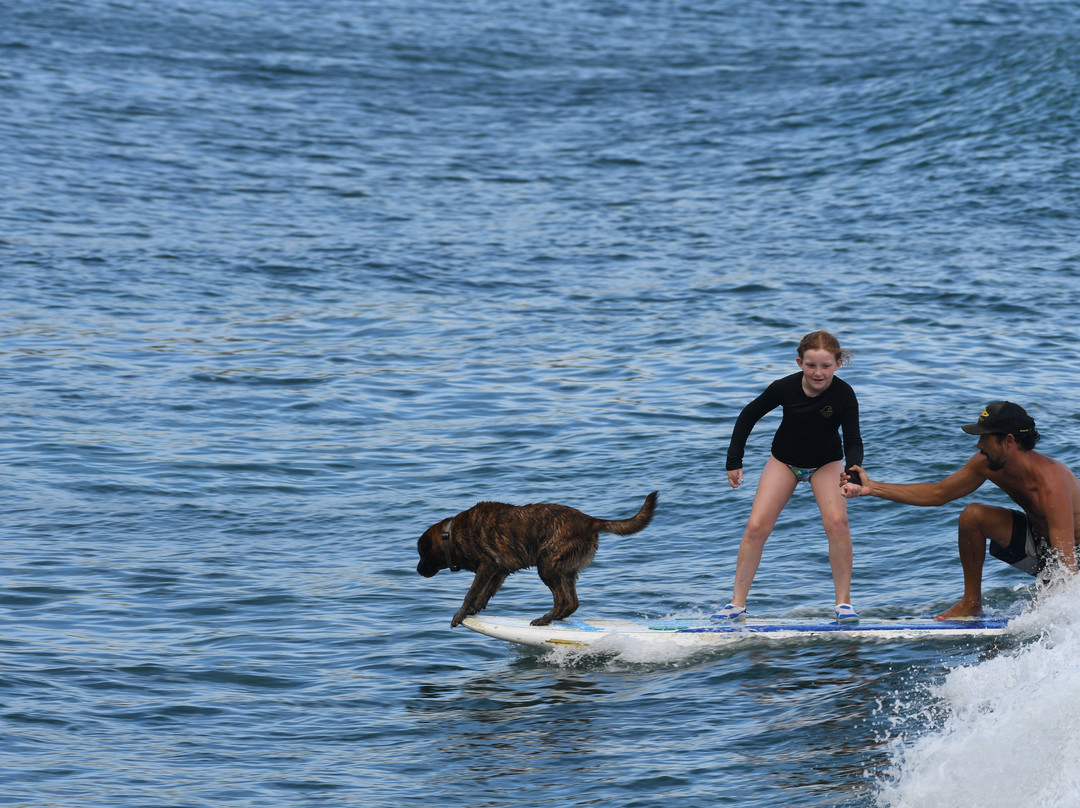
285 283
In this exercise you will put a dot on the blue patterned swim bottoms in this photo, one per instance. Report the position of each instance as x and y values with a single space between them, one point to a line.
801 475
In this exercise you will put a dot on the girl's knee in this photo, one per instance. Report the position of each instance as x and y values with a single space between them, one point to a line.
836 524
757 531
838 531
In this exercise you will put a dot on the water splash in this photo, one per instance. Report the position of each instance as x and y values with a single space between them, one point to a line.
1002 730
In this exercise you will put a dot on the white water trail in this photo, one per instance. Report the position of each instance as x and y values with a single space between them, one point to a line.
1004 731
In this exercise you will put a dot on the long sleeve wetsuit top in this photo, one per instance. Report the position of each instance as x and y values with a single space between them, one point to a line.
808 435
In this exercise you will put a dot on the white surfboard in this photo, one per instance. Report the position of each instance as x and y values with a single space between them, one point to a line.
704 632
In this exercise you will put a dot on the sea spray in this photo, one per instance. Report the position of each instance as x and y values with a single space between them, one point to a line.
1002 731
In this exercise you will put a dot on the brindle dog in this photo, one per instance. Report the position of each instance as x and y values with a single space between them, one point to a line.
493 540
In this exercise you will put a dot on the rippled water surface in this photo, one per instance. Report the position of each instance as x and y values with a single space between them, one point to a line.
286 283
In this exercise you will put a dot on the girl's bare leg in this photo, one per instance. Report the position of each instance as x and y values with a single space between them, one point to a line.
833 506
775 488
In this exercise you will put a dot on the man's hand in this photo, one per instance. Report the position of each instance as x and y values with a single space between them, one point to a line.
851 489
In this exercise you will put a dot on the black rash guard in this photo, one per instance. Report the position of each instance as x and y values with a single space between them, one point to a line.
808 433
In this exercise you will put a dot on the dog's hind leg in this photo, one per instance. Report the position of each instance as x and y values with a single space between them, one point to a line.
569 598
484 586
564 593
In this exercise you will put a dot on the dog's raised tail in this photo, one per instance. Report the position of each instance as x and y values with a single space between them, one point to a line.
624 527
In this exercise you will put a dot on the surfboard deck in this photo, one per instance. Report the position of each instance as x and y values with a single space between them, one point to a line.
704 632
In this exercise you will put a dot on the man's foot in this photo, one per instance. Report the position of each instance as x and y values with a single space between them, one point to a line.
964 610
845 613
731 612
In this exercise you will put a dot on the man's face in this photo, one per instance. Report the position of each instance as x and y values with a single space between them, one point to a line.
994 450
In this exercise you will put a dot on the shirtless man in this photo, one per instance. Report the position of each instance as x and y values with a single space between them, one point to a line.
1045 532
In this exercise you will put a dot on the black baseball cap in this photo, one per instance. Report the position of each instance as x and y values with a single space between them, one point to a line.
1001 418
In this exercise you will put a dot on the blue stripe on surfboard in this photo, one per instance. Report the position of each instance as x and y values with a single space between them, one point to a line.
802 626
580 625
816 628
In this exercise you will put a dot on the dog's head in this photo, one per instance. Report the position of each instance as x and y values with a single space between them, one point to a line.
429 546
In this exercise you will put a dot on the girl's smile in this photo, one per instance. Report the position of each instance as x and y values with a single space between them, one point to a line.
818 367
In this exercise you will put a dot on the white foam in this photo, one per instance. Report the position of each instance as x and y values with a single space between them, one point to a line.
625 649
1003 731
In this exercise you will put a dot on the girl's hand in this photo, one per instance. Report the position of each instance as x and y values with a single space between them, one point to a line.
852 489
734 477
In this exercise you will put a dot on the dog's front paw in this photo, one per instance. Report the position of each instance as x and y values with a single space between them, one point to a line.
541 621
458 618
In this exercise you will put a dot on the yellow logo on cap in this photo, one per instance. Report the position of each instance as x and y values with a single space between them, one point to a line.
984 414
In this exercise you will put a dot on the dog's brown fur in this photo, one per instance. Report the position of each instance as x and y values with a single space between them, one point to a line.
493 540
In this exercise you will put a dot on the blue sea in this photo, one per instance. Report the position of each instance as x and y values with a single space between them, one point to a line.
284 283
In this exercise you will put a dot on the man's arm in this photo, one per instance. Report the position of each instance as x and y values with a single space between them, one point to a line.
958 484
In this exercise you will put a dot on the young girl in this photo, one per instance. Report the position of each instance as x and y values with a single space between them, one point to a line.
816 405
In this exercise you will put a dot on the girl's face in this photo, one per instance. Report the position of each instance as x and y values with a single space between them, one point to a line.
818 367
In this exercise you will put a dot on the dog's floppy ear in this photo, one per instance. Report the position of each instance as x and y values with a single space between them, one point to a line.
434 535
429 548
428 542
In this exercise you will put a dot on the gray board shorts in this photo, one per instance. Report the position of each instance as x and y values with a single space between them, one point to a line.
1027 550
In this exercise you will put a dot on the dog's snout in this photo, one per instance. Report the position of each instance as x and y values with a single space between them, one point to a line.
427 570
